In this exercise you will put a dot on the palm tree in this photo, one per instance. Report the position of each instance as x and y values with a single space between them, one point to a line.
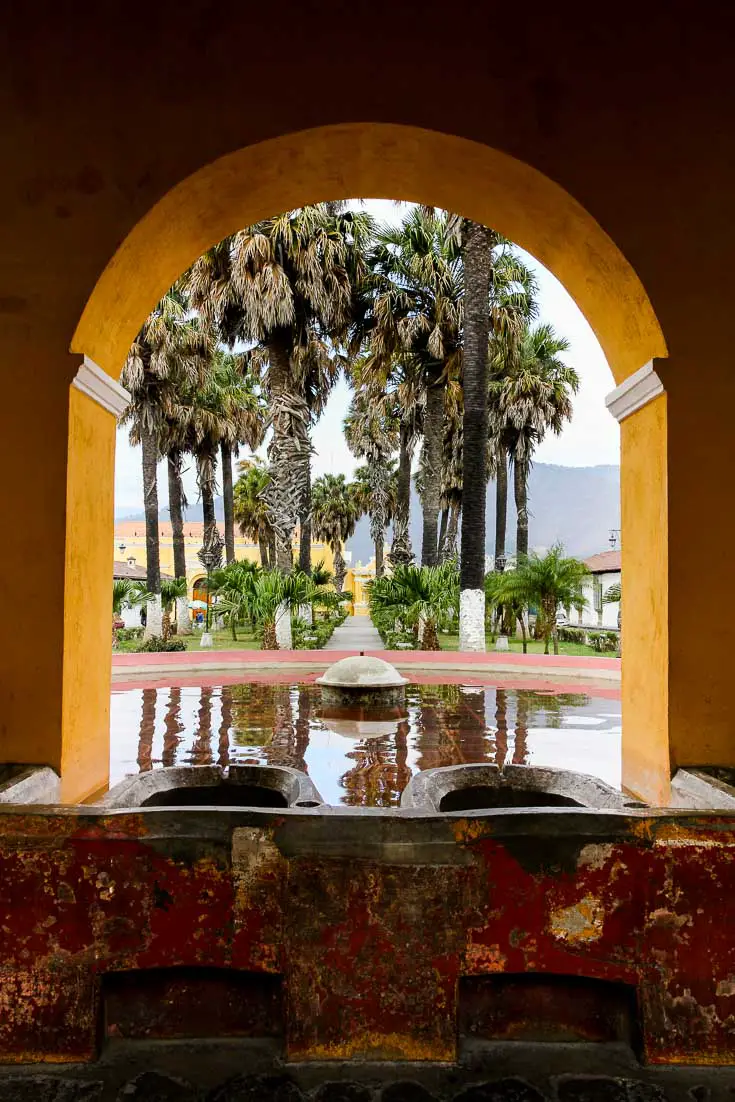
234 588
530 394
170 351
394 385
548 581
251 511
274 595
416 315
287 285
371 434
223 408
335 514
173 590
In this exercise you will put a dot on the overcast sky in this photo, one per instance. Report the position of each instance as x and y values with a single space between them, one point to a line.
591 438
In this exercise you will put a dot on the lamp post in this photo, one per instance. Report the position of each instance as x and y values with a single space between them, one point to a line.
614 537
210 557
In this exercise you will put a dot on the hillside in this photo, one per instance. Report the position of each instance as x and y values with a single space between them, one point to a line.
576 506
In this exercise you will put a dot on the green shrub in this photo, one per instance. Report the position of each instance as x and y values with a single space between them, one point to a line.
125 635
156 643
572 635
602 641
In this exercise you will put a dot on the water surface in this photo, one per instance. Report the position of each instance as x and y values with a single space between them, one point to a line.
270 724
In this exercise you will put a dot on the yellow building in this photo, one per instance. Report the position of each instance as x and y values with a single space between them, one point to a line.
129 546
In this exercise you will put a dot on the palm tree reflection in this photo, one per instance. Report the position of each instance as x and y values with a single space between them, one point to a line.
147 728
172 728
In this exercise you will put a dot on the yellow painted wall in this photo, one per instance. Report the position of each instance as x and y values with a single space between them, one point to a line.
88 603
576 160
133 537
644 608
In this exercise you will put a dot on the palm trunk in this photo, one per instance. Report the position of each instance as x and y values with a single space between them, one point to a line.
401 546
205 464
432 464
501 508
477 254
379 556
520 487
173 728
228 502
269 635
451 548
288 451
305 528
176 512
338 563
150 501
272 551
264 552
147 729
443 535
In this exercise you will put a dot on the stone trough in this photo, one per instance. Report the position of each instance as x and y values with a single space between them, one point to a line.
266 786
487 787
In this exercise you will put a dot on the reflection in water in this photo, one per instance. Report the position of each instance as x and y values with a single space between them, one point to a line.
440 725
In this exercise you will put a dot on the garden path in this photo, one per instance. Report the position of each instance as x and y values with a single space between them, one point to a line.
355 634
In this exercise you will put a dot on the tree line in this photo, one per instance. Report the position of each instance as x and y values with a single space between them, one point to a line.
434 322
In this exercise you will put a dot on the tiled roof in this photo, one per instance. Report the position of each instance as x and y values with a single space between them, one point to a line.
607 562
136 573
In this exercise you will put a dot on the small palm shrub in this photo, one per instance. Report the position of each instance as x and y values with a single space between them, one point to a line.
572 635
420 597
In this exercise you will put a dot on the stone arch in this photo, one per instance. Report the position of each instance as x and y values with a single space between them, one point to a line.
378 160
374 160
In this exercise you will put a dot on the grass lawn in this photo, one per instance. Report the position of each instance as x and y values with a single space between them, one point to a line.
451 642
222 641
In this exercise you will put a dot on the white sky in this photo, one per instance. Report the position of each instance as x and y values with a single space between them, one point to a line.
591 438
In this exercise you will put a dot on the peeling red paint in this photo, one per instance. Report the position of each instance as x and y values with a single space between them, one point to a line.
371 952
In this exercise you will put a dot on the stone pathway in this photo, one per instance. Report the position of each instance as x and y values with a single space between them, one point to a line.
355 634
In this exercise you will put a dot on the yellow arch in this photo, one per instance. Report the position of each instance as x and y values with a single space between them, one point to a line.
374 160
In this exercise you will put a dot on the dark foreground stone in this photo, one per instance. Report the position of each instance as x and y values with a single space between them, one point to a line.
501 1090
603 1088
343 1092
48 1088
154 1087
257 1088
406 1092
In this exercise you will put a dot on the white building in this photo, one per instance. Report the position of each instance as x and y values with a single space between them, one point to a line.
605 572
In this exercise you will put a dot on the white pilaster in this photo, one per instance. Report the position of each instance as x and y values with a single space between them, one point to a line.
97 385
636 391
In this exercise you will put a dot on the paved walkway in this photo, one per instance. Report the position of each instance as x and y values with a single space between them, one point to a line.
355 634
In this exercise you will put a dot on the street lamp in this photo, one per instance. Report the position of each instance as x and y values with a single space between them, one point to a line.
210 557
122 547
500 561
614 537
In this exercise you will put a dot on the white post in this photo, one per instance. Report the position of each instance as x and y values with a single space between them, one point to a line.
153 614
472 620
283 627
183 623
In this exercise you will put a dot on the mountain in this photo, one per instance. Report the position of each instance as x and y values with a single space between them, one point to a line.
575 506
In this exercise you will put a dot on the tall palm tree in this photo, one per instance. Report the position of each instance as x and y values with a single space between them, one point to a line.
371 434
394 384
530 394
169 352
286 285
335 514
223 408
251 511
417 315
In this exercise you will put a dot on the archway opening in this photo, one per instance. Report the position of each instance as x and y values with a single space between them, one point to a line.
479 183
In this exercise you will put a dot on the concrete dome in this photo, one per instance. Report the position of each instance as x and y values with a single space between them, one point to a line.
361 728
362 673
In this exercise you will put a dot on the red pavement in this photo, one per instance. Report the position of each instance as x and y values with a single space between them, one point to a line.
398 657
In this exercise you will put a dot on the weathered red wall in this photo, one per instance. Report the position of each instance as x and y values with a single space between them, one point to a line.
370 919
